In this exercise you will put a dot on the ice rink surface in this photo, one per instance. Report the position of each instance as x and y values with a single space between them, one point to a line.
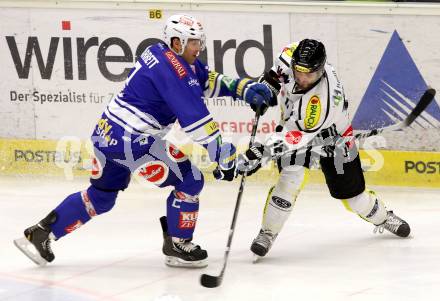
324 252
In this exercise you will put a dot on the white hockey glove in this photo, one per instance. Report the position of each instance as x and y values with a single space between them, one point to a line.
249 162
255 157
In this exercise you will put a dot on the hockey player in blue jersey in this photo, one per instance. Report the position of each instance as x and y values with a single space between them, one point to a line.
166 85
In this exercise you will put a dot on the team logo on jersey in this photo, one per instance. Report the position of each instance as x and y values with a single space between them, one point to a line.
177 66
293 137
193 82
393 92
174 153
313 112
187 220
155 172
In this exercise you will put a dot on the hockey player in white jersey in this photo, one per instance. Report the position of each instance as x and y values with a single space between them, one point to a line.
314 125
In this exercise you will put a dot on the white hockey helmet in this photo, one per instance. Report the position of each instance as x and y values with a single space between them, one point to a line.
184 27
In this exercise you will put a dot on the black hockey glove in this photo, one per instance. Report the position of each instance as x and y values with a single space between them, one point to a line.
250 161
226 159
270 81
224 174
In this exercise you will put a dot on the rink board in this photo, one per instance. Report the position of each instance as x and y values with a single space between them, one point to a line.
62 62
72 157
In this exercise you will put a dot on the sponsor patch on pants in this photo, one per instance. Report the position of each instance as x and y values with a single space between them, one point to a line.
281 202
73 226
187 220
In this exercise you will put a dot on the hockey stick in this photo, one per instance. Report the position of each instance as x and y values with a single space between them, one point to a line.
425 100
423 103
215 281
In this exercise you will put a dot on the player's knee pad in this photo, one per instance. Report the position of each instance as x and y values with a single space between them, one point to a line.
192 181
98 201
368 206
290 183
182 213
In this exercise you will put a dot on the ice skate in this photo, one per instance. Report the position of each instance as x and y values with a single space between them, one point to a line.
36 245
182 252
395 225
36 241
262 244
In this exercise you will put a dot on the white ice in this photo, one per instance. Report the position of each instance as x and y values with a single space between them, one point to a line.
324 252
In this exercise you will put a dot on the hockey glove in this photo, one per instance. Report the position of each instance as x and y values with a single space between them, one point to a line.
224 174
269 80
259 154
226 157
256 94
250 161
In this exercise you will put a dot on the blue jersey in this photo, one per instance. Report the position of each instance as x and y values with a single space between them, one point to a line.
163 88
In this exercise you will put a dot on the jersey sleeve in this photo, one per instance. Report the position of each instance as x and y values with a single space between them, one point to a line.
218 84
186 102
281 66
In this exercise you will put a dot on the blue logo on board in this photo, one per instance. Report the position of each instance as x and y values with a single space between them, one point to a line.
393 92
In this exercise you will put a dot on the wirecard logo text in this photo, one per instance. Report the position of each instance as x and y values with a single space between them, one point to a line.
394 91
83 45
45 58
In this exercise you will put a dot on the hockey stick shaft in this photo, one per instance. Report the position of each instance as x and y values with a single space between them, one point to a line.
238 202
425 100
214 281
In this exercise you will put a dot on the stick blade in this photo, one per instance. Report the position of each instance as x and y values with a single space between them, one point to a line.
210 281
424 102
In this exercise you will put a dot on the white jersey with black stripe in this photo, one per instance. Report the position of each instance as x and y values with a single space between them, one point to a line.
317 108
306 115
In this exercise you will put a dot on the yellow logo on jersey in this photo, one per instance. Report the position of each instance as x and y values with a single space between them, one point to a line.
313 112
210 127
289 50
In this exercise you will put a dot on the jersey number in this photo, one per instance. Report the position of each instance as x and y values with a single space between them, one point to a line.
137 66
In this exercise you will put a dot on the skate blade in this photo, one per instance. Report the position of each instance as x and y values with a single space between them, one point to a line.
29 250
176 262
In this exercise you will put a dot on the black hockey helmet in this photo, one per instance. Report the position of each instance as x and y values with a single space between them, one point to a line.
309 56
